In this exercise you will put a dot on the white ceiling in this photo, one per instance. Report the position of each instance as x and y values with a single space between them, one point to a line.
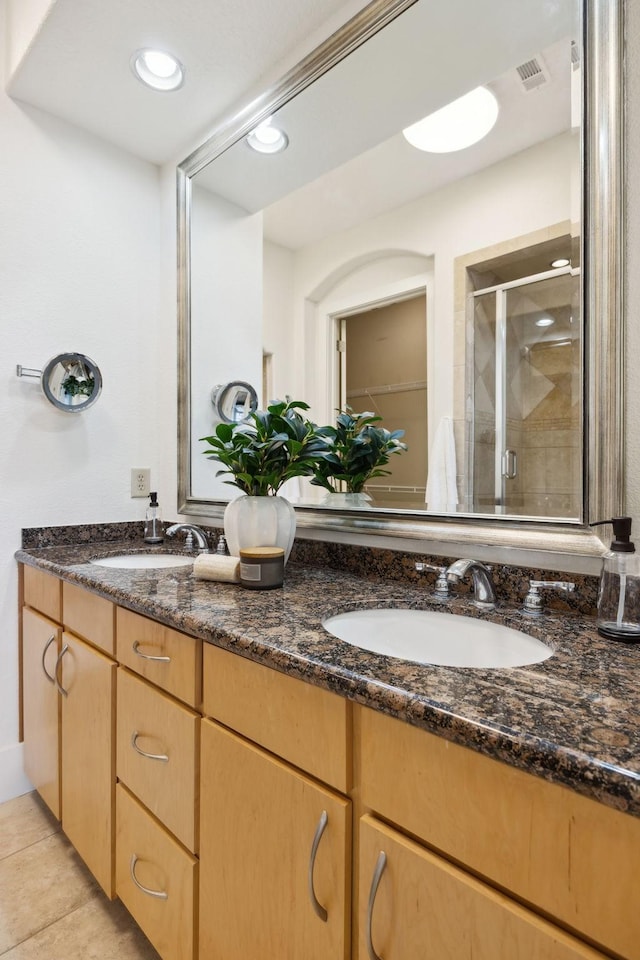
77 65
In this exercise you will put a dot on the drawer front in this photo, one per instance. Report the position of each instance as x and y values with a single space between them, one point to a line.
157 754
422 899
299 722
43 592
89 616
574 858
170 659
155 879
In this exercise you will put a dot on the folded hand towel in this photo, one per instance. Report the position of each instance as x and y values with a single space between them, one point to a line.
211 566
441 493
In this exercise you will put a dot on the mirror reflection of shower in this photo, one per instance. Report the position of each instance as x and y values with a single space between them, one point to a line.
524 384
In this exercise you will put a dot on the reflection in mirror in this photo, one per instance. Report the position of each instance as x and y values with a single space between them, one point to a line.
233 402
71 382
319 251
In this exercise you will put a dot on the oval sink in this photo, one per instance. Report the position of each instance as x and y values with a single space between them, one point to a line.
434 637
144 561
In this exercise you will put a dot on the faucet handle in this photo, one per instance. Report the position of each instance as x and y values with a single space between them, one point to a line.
532 604
441 588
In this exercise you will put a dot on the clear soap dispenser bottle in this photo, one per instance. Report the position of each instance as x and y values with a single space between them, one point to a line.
619 595
153 532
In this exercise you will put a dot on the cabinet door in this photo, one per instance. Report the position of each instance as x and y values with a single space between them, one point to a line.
41 706
258 875
88 755
425 907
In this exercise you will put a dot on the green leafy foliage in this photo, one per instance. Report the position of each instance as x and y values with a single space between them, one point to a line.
268 448
74 387
359 449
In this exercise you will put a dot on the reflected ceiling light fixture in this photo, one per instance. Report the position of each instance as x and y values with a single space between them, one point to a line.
560 262
545 322
456 126
268 139
157 69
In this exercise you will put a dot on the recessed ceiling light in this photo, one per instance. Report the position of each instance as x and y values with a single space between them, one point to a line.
458 125
545 322
157 69
560 262
267 139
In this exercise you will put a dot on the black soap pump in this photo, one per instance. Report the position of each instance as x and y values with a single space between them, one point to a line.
619 594
153 532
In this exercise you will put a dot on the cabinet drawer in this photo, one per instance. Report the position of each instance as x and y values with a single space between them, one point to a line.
570 856
155 879
301 723
170 659
89 616
157 754
421 899
43 592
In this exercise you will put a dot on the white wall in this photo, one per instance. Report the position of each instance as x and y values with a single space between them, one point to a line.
79 270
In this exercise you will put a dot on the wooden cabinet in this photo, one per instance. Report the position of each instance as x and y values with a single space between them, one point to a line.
156 879
41 713
158 755
414 903
87 678
266 889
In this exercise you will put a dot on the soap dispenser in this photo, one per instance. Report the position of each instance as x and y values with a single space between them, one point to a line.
153 532
619 594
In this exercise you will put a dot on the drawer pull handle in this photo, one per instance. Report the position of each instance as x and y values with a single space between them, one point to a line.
320 911
56 669
150 756
377 873
147 656
158 894
44 653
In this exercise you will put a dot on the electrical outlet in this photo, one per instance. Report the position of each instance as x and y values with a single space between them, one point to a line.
140 481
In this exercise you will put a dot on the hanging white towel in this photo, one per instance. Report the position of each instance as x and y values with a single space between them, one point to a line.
441 493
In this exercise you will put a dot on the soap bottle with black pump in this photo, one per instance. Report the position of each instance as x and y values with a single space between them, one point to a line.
153 530
619 594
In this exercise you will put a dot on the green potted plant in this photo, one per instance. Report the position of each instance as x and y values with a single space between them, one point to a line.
359 451
259 454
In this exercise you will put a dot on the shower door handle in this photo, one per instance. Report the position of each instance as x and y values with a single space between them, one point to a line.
509 464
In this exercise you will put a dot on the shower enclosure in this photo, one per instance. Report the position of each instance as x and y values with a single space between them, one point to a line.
524 389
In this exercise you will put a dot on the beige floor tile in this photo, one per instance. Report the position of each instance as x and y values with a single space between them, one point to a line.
99 930
39 885
24 821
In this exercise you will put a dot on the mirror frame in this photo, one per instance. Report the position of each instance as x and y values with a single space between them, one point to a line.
570 546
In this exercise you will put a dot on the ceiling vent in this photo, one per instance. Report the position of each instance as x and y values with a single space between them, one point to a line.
532 74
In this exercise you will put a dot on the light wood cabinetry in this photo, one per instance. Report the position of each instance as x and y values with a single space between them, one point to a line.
41 715
165 657
88 755
423 906
259 877
89 616
156 879
43 592
569 856
158 755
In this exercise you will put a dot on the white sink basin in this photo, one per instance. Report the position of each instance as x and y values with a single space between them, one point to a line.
144 561
429 636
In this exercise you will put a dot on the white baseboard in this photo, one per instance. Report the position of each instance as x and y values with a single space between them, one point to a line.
13 782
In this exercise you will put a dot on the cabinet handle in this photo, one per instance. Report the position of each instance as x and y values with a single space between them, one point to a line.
147 656
159 894
150 756
377 873
44 653
320 911
61 689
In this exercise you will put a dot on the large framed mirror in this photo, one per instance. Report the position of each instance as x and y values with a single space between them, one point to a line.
470 296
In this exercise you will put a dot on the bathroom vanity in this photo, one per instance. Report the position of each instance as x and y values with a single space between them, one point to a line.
250 786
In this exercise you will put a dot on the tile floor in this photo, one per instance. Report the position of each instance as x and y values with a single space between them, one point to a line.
50 906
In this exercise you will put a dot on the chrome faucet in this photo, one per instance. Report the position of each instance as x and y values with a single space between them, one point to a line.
193 533
484 593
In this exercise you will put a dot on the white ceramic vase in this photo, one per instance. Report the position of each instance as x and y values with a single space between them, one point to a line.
259 522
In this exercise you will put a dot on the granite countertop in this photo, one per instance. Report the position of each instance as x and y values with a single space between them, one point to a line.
573 719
